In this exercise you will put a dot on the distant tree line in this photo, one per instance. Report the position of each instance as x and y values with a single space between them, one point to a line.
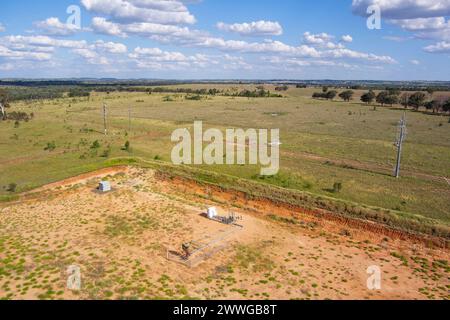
282 88
406 99
327 94
259 93
393 96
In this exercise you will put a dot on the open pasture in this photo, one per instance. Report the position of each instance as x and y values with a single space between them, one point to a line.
324 142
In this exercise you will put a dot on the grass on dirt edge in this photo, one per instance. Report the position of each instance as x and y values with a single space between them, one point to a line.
400 220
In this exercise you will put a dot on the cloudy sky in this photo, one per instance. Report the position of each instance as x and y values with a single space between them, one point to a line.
226 39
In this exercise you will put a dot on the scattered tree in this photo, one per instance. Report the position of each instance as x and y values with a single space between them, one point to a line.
368 97
446 106
391 99
346 95
381 97
417 100
436 105
404 100
330 95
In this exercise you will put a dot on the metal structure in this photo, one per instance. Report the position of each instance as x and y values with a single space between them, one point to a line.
399 144
231 219
194 252
104 118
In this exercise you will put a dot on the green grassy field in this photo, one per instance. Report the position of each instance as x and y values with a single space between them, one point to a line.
323 143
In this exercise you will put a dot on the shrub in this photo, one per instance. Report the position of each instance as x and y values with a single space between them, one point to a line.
50 146
194 98
337 187
127 146
12 187
106 153
18 116
95 145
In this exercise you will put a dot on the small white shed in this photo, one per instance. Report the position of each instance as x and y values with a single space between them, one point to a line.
104 186
212 213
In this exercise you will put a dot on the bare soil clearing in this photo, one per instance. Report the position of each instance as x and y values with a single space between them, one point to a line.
120 240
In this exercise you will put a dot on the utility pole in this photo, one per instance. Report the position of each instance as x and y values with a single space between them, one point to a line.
129 120
104 118
399 144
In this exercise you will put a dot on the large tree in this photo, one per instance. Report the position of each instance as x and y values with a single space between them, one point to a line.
404 100
446 106
417 100
391 99
330 95
346 95
381 97
368 97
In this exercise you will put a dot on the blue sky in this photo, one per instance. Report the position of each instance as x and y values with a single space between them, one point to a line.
218 39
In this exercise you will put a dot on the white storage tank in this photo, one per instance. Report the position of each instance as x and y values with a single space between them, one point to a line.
212 213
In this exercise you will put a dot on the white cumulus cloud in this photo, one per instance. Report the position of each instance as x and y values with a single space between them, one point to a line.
153 11
441 47
347 38
52 26
404 9
256 28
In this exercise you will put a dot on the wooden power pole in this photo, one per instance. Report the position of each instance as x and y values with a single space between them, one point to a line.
399 145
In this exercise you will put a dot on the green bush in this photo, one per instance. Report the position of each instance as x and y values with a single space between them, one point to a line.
50 146
337 187
127 146
12 187
95 145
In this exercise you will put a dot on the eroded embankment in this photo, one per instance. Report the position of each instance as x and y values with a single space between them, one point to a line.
278 203
293 214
